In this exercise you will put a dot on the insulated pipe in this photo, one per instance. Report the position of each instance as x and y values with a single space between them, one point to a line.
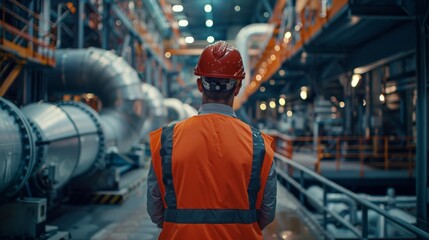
116 84
69 142
17 150
156 112
241 42
178 111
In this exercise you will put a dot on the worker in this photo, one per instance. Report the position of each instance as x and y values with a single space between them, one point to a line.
212 176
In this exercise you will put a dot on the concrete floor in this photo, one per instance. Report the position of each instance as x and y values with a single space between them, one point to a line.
130 220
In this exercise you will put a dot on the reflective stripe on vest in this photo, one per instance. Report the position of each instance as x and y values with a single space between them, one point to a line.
210 216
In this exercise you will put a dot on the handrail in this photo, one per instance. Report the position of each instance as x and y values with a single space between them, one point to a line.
365 204
386 152
39 44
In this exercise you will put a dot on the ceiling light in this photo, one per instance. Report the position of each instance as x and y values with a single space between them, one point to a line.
266 14
209 22
210 39
273 57
258 77
177 8
189 39
289 113
237 8
208 8
131 5
183 23
272 82
382 98
253 84
262 89
304 93
277 48
342 104
272 104
282 101
282 73
288 35
263 106
167 54
355 79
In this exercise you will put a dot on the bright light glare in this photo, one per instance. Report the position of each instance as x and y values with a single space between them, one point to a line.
167 54
304 93
382 98
183 23
258 77
289 113
272 104
288 35
209 22
237 8
355 79
189 39
263 106
342 104
210 39
177 8
282 101
208 8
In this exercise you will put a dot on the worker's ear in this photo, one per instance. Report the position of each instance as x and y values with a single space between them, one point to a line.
200 85
237 88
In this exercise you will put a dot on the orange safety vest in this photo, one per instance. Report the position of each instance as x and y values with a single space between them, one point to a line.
211 170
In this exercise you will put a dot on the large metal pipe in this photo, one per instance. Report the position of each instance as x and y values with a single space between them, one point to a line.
116 84
177 110
17 150
156 113
242 43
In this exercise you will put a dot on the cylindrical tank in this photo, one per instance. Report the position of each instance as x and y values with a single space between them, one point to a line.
17 150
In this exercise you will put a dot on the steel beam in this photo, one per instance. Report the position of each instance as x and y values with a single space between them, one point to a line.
422 61
80 17
10 79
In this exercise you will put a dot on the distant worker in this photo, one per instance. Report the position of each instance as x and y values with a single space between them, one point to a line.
212 176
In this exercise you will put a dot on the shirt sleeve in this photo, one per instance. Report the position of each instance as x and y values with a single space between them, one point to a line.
155 206
267 211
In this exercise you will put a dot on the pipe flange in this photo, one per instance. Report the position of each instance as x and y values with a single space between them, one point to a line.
40 154
99 162
28 148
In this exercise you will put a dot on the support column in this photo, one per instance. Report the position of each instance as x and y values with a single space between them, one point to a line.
80 10
422 61
106 24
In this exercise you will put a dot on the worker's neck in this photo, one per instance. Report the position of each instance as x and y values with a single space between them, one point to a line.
226 102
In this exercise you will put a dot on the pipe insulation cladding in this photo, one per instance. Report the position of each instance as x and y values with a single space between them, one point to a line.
70 142
156 112
52 143
17 150
109 77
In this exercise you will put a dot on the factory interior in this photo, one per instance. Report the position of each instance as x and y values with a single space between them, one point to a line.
340 85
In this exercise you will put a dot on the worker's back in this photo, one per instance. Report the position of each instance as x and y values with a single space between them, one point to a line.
211 162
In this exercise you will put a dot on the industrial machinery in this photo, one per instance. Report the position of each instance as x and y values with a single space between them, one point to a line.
48 144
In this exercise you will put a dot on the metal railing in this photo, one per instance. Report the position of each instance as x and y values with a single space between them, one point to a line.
380 152
360 230
21 32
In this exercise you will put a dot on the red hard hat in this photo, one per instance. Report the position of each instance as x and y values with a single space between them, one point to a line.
220 60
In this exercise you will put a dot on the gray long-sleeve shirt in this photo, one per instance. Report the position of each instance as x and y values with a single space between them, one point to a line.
265 215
